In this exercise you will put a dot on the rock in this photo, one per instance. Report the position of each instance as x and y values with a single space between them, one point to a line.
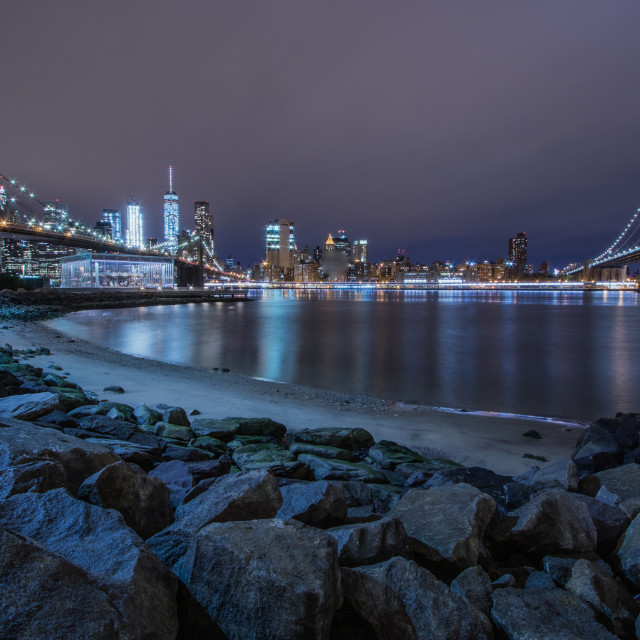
627 430
273 457
70 398
597 587
265 578
532 433
28 406
38 476
351 439
208 443
559 569
194 412
247 496
403 601
259 427
108 427
610 522
178 478
475 585
114 389
210 468
318 504
562 473
58 418
541 614
504 581
116 415
325 469
388 455
539 580
628 552
24 443
446 524
177 416
553 521
594 440
322 451
99 542
142 500
224 430
146 415
46 596
186 454
142 455
173 431
630 507
369 543
623 481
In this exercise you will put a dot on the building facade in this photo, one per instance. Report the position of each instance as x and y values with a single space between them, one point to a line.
171 216
204 229
113 217
135 236
55 215
281 243
360 251
518 252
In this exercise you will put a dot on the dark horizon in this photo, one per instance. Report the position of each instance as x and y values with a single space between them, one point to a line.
440 130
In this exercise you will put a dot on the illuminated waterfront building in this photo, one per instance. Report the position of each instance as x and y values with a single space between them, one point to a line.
171 216
104 229
55 215
342 243
113 217
360 251
204 229
280 243
518 252
134 224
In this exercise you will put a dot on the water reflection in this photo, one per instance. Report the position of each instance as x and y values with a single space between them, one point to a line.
570 354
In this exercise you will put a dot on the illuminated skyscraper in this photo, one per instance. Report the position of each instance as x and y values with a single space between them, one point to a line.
280 243
56 214
171 216
342 243
518 252
204 228
113 217
134 224
360 251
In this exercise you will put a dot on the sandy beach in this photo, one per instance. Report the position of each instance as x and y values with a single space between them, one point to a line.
473 440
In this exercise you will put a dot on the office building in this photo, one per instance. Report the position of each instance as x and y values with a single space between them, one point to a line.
135 236
204 229
104 228
171 217
56 215
518 252
360 251
280 243
113 217
342 243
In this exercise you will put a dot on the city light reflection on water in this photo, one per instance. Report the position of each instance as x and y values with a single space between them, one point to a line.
568 353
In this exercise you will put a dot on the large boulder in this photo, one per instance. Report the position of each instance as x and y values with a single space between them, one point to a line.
388 455
266 456
628 552
178 478
402 601
319 504
246 496
224 429
352 439
265 578
541 614
371 542
259 427
102 409
446 524
29 406
327 469
145 415
610 522
142 500
38 476
173 431
321 450
596 586
46 596
176 415
623 481
108 427
98 541
552 521
23 443
563 473
594 440
475 585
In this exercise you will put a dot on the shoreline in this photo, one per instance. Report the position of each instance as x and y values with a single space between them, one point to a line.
470 438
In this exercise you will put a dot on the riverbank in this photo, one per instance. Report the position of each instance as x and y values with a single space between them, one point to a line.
496 443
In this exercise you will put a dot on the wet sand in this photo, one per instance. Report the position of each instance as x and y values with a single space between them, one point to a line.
470 439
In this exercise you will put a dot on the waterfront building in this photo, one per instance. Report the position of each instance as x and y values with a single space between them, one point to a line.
116 270
360 251
171 217
55 215
280 243
113 217
104 228
204 229
134 225
152 243
518 252
342 243
306 272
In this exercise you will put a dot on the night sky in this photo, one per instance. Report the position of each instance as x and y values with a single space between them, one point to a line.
438 127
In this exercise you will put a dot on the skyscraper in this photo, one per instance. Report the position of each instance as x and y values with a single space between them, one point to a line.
518 252
56 214
171 216
113 217
204 229
360 251
134 224
342 243
280 242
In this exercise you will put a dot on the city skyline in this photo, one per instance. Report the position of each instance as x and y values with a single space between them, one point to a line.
445 127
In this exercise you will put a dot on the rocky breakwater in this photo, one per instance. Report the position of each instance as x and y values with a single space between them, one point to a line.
145 522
